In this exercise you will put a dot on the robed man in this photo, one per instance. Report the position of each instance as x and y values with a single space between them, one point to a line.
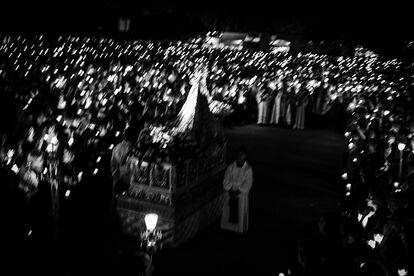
237 182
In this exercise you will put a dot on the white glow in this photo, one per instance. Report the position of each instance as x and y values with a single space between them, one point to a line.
402 272
372 243
59 118
49 148
54 140
62 105
67 193
348 186
378 238
401 146
15 169
88 103
80 176
396 184
70 142
95 171
151 221
98 159
344 176
366 218
10 153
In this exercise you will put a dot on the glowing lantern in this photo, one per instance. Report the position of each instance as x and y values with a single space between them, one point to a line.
151 221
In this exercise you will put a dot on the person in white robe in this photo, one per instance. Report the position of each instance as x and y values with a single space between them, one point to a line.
261 105
276 111
238 180
264 98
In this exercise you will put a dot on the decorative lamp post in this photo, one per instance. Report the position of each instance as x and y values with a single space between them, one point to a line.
151 237
401 147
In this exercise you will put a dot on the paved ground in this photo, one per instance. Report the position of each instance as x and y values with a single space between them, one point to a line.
296 179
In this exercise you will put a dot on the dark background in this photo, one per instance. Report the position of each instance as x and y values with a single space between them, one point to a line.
351 18
381 26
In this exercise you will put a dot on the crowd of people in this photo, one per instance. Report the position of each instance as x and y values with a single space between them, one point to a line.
70 100
371 231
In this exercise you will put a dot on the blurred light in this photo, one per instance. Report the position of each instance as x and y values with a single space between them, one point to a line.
402 272
151 221
378 238
54 140
401 146
67 193
95 171
372 244
15 169
10 153
80 176
49 148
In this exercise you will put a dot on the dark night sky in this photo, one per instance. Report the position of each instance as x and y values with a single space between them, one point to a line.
352 18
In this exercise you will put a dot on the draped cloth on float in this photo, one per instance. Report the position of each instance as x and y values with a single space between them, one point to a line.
195 116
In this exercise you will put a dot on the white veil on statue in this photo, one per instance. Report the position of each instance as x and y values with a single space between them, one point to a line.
195 117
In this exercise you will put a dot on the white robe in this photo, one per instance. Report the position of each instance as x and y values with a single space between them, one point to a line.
276 109
240 179
263 108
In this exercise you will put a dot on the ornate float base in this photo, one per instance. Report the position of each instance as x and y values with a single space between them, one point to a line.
190 212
